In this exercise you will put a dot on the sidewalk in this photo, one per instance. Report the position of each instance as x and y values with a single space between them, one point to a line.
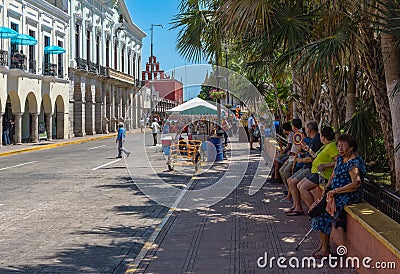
231 236
26 147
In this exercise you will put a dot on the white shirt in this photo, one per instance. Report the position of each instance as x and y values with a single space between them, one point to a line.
155 127
250 122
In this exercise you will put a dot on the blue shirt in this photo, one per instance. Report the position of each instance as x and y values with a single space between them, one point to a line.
121 133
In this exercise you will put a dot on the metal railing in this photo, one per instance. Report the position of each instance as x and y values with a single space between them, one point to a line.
3 58
81 64
381 198
60 72
93 67
50 69
18 61
103 71
32 66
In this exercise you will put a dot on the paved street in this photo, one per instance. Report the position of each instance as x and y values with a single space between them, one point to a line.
61 213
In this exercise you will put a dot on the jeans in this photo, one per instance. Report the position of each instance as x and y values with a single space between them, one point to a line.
6 137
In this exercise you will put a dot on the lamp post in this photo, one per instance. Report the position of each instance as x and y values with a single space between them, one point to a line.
151 65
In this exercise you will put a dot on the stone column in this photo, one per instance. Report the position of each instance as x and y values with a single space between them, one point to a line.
18 128
1 129
60 121
113 123
104 113
49 125
134 111
99 105
34 127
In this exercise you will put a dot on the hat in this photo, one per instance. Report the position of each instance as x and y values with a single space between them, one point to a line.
120 124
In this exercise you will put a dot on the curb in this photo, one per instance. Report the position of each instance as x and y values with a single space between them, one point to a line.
49 146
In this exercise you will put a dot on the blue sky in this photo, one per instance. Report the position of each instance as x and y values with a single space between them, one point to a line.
147 12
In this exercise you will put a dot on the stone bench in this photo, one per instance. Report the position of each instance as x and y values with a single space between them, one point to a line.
370 233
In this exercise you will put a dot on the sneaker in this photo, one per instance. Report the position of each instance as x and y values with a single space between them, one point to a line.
127 155
118 157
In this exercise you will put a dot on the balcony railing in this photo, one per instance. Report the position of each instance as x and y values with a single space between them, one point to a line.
93 67
50 69
18 61
60 72
32 66
3 58
81 64
103 71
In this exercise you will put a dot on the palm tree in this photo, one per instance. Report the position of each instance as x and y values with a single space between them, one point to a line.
390 39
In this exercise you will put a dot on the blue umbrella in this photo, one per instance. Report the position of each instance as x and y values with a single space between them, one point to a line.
23 39
6 33
54 50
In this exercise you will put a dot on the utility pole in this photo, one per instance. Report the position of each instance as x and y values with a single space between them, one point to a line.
151 66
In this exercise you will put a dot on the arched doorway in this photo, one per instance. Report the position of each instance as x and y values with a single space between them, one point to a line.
30 122
79 126
59 118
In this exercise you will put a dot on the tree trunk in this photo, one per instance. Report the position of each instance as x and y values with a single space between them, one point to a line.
351 90
391 59
372 64
333 97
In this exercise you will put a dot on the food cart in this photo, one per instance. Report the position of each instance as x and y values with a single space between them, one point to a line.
184 153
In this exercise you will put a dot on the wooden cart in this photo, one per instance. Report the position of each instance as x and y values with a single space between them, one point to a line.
184 153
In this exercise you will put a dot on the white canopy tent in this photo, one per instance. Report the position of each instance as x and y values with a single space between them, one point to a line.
195 102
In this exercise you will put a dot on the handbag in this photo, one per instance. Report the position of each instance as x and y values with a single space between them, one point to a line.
318 207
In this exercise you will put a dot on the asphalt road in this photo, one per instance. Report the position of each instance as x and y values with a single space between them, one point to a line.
75 209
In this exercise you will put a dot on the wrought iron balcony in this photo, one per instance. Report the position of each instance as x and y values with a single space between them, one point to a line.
81 63
60 72
103 71
92 67
3 58
18 61
50 69
32 66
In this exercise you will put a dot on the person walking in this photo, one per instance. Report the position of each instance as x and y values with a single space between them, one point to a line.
251 125
141 124
121 140
7 129
155 128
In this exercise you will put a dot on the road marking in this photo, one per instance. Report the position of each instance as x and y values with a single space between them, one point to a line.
96 168
96 147
18 165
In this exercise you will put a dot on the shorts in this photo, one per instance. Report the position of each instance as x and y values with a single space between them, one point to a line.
282 158
313 177
301 173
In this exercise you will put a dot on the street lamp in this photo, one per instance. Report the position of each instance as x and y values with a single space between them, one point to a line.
151 65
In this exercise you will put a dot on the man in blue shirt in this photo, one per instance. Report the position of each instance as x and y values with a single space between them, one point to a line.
121 140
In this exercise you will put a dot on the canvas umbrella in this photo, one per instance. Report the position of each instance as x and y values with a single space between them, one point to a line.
23 39
54 50
7 33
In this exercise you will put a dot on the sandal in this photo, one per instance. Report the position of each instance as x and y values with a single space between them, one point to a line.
295 213
290 210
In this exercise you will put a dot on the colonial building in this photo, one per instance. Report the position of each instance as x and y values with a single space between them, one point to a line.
104 68
167 91
34 85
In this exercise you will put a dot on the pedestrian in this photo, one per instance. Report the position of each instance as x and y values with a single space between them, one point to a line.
141 124
155 129
251 126
7 130
121 140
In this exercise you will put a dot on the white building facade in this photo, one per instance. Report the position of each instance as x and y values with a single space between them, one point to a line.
105 57
34 88
85 91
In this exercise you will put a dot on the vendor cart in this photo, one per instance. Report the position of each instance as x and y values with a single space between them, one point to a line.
184 153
